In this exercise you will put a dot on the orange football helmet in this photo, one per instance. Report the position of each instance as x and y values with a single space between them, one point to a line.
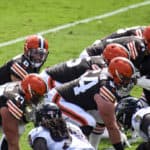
121 69
146 36
33 88
36 50
114 50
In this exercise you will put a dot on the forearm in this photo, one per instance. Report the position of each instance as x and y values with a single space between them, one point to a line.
107 112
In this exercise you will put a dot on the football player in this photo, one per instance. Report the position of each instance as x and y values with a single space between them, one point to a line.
76 97
34 56
97 47
133 114
52 132
16 98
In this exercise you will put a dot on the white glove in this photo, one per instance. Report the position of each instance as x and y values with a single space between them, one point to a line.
124 139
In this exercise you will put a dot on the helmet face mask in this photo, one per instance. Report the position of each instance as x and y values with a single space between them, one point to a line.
36 98
47 112
37 56
123 81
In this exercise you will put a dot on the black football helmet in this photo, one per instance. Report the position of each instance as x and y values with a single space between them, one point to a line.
125 109
47 112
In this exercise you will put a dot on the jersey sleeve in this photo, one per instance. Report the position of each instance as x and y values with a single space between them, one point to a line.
18 71
15 110
21 67
108 92
16 104
13 106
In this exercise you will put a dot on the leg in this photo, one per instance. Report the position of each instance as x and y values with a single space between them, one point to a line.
96 135
75 114
98 131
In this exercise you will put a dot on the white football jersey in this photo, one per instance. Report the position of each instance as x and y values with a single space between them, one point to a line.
136 121
78 140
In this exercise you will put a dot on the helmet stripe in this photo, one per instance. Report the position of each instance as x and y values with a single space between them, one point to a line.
117 74
30 90
41 41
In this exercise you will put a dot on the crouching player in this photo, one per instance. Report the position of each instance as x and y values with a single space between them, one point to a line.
52 132
134 114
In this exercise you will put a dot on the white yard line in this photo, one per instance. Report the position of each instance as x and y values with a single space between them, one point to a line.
123 9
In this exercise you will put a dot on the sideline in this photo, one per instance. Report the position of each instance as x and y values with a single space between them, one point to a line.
123 9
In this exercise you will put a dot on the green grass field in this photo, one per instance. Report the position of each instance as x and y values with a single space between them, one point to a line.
21 18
